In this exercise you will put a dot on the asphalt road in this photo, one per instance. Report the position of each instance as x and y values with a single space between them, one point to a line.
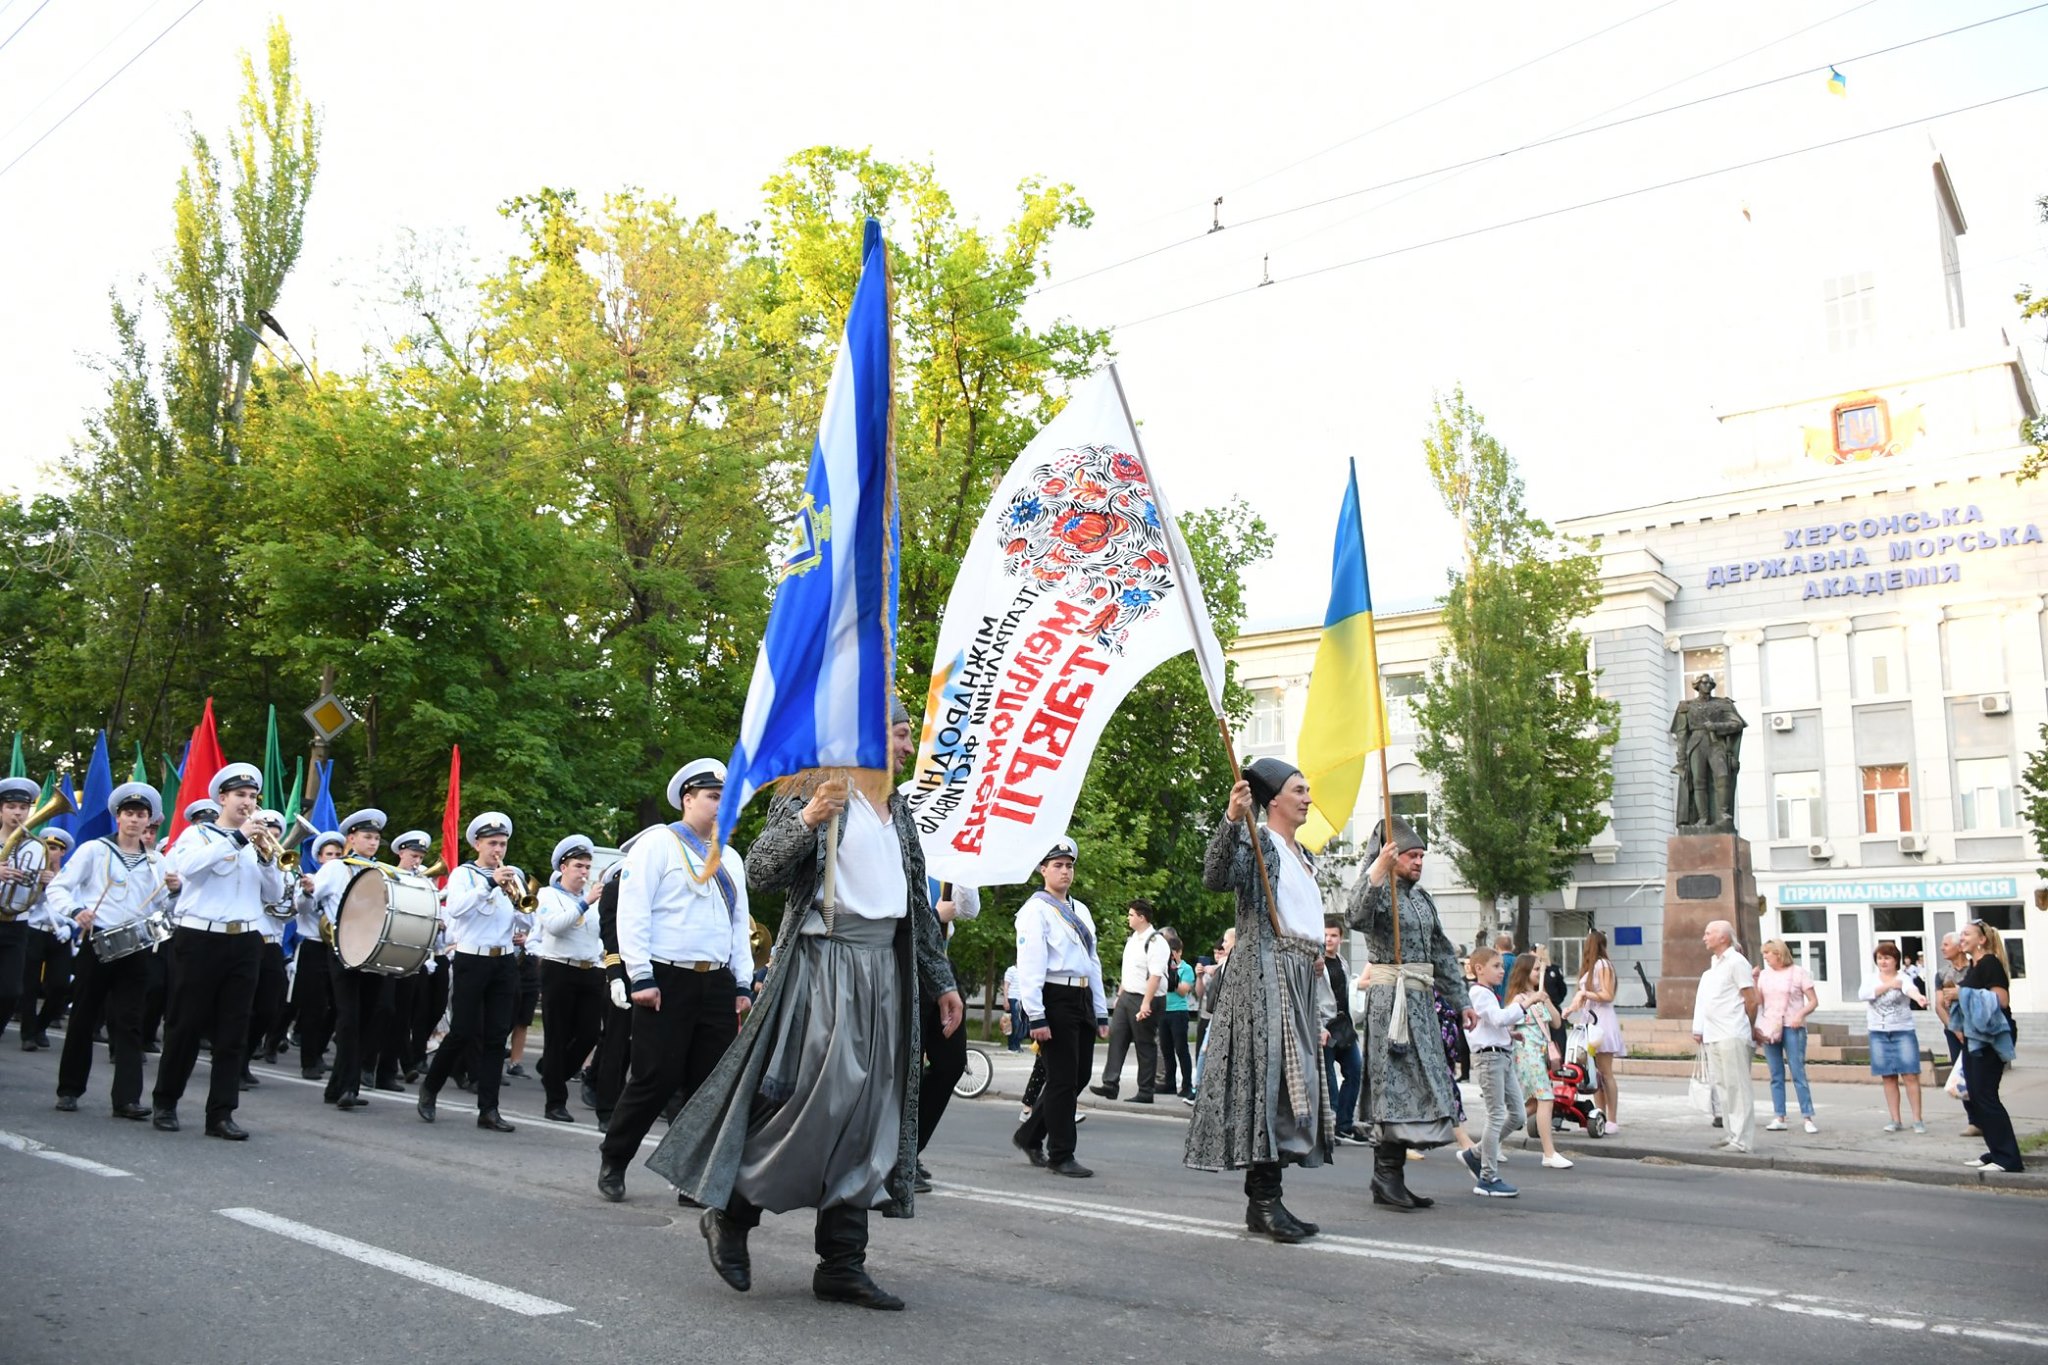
371 1236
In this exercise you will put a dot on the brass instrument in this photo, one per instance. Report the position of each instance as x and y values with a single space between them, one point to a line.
58 804
528 899
439 869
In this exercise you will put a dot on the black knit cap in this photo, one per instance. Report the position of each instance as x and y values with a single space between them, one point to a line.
1268 776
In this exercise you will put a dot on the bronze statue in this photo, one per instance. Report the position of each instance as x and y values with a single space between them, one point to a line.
1709 735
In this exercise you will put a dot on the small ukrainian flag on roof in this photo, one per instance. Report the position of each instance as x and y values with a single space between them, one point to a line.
1837 82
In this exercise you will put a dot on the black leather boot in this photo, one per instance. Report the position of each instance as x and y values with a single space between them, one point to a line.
1263 1211
726 1239
1389 1177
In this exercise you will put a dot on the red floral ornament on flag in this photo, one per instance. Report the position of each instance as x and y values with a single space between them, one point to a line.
1086 525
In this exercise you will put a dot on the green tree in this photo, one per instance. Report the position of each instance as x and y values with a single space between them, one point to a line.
2034 797
2033 305
1511 722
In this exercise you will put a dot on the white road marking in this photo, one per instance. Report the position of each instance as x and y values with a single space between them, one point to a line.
1598 1277
14 1142
454 1281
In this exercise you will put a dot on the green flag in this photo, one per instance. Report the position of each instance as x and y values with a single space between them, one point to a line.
290 810
19 767
273 764
141 767
49 786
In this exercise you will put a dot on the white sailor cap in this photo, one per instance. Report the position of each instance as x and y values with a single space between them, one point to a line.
272 818
572 846
19 789
62 836
136 794
235 777
413 838
201 811
705 772
492 823
326 837
1062 847
369 817
162 843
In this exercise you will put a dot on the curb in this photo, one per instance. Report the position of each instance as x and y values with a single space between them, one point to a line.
2031 1183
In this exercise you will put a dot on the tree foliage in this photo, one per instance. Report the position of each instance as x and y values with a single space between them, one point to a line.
2035 305
1511 722
2034 797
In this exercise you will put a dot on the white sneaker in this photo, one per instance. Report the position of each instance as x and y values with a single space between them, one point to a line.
1811 1127
1976 1163
1891 1127
1614 1125
1775 1126
1558 1163
1919 1127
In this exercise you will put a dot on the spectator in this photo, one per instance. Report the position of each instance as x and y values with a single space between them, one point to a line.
1786 994
1536 1051
1173 1025
1894 1047
1341 1052
1954 963
1135 1018
1504 944
1596 997
1983 1008
1013 1008
1723 1022
1211 982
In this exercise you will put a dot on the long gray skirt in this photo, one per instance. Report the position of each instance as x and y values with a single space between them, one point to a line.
824 1128
1295 1135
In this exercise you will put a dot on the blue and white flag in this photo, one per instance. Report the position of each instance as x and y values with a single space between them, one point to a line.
823 682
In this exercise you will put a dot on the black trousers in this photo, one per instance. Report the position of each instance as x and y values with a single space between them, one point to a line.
572 1005
429 1003
45 981
13 959
614 1054
216 987
1983 1069
313 994
113 992
1173 1052
268 1007
156 995
395 1053
1125 1028
361 1001
945 1060
674 1049
1069 1059
481 995
840 1234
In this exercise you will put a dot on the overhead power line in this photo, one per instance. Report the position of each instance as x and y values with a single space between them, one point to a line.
161 35
23 24
118 34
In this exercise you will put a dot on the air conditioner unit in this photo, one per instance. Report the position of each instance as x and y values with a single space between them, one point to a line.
1912 843
1781 720
1994 703
1820 848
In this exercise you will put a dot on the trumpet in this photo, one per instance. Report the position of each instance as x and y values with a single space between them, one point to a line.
527 900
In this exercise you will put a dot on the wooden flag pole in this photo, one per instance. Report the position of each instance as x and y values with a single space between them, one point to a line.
1387 838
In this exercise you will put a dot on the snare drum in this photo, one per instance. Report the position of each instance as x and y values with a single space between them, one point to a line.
387 922
110 945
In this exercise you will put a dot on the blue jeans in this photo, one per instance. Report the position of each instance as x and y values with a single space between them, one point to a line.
1020 1027
1788 1054
1344 1097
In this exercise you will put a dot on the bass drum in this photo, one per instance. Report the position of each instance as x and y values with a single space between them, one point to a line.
387 922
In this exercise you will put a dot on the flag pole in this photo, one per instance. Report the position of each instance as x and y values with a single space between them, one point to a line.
1184 574
1386 783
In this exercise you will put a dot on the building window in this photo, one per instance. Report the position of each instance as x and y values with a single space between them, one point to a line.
1849 305
1862 428
1985 786
1713 661
1804 921
1976 653
1880 662
1267 729
1402 685
1887 799
1414 808
1810 953
2007 920
1789 675
1796 803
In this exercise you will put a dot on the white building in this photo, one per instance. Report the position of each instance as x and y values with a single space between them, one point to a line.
1867 588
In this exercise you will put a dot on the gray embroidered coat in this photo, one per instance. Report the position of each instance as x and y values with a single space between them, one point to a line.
701 1153
1411 1087
1243 1089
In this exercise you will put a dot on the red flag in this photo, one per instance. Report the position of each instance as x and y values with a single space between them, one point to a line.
451 813
202 760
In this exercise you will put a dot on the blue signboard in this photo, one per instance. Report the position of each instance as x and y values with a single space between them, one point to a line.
1903 892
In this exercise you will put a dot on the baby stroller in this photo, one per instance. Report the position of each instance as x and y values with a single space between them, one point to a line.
1572 1087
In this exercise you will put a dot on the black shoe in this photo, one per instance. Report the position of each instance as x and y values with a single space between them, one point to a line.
269 1054
1308 1229
390 1084
921 1183
412 1074
247 1082
1036 1154
249 1077
488 1118
1070 1167
312 1073
151 1050
1107 1092
1142 1097
1389 1186
30 1045
604 1121
351 1101
853 1286
589 1096
164 1120
611 1183
558 1113
425 1106
131 1111
68 1104
727 1243
515 1070
464 1084
228 1129
1268 1219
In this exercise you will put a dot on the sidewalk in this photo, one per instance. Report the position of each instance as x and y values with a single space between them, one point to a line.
1659 1125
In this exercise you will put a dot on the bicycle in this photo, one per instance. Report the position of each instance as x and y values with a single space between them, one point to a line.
979 1074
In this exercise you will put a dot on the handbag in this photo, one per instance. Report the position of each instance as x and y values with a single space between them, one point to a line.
1699 1091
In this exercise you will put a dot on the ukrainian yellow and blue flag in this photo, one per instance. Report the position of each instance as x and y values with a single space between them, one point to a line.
1346 717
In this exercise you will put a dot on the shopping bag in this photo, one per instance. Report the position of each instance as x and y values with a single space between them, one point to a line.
1699 1091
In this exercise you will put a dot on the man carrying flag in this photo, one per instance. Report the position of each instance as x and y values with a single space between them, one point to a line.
815 1105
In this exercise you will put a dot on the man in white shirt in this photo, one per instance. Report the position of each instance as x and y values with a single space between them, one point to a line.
216 951
22 878
313 963
683 943
1724 1024
572 991
361 998
1141 986
1059 981
1013 1009
482 919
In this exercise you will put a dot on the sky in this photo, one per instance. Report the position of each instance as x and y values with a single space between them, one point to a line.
1597 342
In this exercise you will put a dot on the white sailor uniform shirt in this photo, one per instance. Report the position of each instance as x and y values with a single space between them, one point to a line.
1048 949
666 915
223 881
479 915
568 927
97 874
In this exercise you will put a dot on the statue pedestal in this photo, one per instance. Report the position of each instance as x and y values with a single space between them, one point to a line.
1706 877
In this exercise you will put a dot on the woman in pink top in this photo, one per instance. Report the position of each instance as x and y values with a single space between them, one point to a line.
1786 997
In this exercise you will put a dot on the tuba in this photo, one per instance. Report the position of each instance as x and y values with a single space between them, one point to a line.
58 804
